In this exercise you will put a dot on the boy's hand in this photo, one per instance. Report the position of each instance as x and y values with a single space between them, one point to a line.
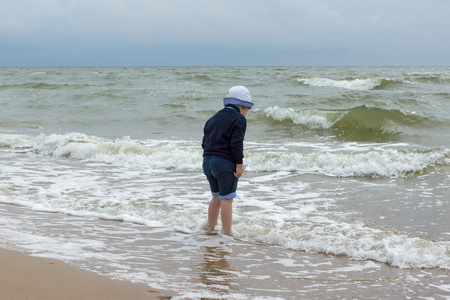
239 171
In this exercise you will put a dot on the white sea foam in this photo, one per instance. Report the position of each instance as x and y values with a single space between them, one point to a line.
122 151
309 229
355 84
314 119
274 208
384 163
187 155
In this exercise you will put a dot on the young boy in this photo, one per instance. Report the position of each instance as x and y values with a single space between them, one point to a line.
223 146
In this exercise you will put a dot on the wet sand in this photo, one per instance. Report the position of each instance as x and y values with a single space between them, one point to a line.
27 277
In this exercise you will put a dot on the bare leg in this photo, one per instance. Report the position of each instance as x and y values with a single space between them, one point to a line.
227 215
213 212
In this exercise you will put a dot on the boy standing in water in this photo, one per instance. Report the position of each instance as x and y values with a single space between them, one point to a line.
223 146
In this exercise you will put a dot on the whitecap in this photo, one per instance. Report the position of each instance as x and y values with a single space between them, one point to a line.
354 84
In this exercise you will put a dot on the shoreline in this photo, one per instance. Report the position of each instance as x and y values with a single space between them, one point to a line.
188 266
28 277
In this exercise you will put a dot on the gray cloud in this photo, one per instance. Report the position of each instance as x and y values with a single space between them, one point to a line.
205 32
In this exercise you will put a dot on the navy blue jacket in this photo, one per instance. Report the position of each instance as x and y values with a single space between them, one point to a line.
223 134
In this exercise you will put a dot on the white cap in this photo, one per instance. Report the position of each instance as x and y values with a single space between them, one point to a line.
238 95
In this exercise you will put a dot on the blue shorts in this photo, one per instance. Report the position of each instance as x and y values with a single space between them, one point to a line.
219 172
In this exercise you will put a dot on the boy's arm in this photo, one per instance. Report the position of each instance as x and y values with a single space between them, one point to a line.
237 140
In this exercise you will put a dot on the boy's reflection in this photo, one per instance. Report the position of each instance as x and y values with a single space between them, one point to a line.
217 273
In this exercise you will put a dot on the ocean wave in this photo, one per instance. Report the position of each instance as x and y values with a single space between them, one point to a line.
361 123
42 86
313 118
198 78
354 240
429 77
122 151
352 84
385 163
165 154
365 123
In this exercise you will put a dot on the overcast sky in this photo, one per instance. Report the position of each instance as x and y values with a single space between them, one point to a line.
224 33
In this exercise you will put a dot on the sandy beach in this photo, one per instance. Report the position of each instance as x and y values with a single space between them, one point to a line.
27 277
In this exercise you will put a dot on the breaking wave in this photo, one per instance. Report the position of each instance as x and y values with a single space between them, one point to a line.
361 123
351 84
166 154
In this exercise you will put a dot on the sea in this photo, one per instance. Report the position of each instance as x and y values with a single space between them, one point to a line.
345 192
